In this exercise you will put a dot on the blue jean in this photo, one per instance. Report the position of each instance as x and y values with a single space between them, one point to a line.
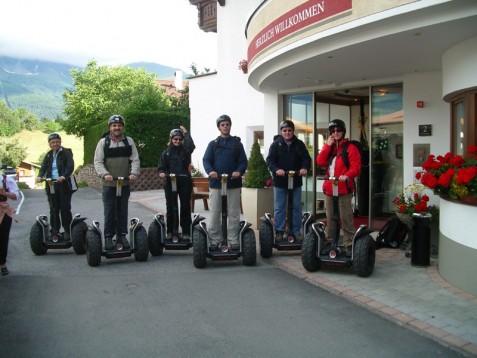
280 212
109 203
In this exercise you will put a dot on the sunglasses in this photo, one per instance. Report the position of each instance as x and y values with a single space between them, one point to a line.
177 139
336 130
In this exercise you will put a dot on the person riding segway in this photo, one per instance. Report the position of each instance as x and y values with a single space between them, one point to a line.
116 161
288 160
57 171
228 238
174 167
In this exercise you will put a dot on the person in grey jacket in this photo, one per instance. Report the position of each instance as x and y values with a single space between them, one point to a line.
116 156
176 160
225 155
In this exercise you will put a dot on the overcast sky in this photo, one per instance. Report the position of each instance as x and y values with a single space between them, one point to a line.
113 32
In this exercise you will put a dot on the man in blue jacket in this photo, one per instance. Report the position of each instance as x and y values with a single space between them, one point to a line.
225 155
287 153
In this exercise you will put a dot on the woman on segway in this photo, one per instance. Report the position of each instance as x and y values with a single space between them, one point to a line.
345 171
58 165
176 160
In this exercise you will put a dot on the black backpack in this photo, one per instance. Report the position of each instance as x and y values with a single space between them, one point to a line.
392 234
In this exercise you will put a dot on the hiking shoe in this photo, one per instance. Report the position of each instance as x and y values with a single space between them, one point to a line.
279 236
108 243
185 237
123 240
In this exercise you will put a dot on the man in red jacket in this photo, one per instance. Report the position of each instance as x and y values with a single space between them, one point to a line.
331 157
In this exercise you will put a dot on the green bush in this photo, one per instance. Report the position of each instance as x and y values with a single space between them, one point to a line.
257 171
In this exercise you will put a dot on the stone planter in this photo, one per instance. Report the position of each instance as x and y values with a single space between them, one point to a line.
255 203
458 244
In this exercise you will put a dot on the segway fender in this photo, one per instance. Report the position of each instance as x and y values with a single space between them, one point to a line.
267 219
43 221
77 219
95 227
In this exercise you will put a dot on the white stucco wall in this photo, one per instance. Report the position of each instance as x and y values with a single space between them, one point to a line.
425 87
227 92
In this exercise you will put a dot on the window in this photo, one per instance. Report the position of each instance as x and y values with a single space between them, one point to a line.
463 127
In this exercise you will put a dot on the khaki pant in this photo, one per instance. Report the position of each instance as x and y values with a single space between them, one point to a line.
346 217
233 215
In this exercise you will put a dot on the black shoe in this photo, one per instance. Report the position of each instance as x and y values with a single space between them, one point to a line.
213 247
234 246
4 271
185 237
125 242
279 236
108 243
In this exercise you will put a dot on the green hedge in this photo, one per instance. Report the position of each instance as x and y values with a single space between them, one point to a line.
150 131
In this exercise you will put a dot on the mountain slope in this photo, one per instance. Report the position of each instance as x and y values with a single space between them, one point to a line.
38 85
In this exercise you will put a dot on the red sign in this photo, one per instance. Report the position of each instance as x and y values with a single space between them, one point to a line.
308 13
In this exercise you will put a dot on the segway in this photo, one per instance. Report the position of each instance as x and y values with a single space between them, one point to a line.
201 238
266 230
41 239
157 229
137 237
316 250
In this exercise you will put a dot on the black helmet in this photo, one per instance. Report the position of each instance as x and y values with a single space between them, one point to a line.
223 118
116 118
337 123
176 133
287 124
53 136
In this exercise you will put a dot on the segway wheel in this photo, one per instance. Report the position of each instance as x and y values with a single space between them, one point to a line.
93 248
199 248
78 237
364 256
154 239
309 252
265 236
36 240
141 245
249 248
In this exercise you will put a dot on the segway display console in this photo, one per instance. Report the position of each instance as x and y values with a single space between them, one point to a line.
266 231
41 239
316 250
201 239
137 236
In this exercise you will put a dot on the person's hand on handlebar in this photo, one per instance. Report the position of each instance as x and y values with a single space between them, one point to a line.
280 172
213 175
132 177
235 175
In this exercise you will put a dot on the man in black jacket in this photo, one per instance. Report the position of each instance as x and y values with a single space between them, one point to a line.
58 165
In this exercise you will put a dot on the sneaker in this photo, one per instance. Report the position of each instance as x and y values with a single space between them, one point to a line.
108 243
279 236
125 242
185 237
4 271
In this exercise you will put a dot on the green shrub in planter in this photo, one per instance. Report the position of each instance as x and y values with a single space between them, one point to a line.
257 170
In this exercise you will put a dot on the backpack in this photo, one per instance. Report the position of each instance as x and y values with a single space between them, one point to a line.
344 151
392 234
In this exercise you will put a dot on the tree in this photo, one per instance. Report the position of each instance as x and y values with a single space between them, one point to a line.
11 152
101 91
29 120
257 170
9 122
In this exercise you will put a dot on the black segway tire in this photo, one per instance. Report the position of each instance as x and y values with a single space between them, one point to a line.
154 239
364 256
93 248
36 240
265 236
141 245
309 252
249 248
199 247
78 238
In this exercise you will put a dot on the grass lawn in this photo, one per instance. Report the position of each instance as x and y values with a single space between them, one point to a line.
36 143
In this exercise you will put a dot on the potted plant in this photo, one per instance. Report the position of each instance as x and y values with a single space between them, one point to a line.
243 65
257 197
